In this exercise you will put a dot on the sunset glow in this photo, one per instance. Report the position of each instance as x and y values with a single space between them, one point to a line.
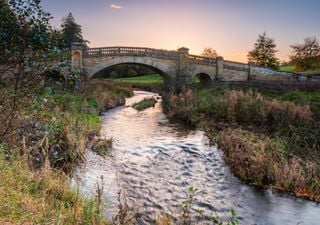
231 27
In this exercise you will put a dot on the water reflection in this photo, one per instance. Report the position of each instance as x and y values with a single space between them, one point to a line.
155 162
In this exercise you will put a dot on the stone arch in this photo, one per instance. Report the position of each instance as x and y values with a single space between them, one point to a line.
204 78
165 67
156 70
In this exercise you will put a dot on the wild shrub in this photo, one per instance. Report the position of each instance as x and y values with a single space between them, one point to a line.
265 161
279 140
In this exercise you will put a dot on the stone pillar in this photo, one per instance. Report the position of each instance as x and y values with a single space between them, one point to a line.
183 78
251 74
76 55
219 62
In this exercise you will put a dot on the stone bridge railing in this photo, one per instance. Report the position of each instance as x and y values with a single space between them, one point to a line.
202 60
145 52
130 51
231 65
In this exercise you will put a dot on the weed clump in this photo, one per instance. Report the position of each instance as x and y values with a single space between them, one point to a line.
102 146
145 104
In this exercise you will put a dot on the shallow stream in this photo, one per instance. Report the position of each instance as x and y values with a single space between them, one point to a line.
154 162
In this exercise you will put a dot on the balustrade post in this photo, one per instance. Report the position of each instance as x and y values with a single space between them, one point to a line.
219 63
251 73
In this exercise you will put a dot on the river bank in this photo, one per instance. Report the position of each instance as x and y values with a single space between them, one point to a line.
34 160
154 164
268 140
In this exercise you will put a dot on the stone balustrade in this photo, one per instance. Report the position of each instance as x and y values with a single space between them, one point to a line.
130 51
202 60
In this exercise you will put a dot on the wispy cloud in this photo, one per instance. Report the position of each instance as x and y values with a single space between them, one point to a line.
116 6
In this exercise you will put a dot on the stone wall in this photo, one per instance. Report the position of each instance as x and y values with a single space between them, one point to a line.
233 71
265 74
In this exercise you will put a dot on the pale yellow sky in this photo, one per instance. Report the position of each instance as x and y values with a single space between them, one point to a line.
231 26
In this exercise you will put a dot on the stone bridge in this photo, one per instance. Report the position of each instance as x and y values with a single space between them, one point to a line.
176 67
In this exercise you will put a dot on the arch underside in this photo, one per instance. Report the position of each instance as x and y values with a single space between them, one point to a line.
154 69
204 78
164 67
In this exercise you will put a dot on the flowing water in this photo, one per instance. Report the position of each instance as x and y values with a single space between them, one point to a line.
154 162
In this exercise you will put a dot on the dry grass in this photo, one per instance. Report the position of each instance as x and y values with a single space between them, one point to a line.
266 141
42 197
262 160
57 128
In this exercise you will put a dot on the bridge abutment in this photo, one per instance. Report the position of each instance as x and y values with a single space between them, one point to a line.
183 76
219 67
76 56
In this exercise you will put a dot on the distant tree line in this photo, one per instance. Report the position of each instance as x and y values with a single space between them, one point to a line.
305 56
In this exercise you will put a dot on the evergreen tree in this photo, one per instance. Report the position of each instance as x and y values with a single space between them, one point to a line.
71 32
264 52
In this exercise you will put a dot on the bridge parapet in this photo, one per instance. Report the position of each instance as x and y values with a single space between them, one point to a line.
237 66
202 60
130 51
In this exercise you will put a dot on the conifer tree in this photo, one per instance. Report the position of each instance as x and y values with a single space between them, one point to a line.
264 52
71 32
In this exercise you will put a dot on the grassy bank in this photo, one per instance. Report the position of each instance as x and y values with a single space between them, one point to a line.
153 83
268 140
42 197
58 124
149 79
288 69
68 120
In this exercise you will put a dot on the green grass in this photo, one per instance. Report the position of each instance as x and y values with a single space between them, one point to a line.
70 120
41 197
149 79
288 69
144 104
63 122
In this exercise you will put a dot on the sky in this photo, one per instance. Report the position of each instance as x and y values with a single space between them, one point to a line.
231 27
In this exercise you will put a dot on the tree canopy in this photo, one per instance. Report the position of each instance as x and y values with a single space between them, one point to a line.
306 56
27 47
209 52
71 32
264 52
